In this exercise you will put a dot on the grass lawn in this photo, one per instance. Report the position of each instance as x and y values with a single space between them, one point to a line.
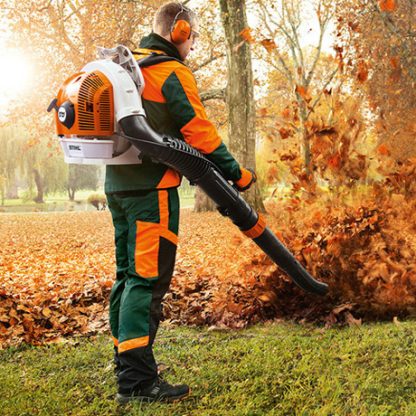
276 369
60 202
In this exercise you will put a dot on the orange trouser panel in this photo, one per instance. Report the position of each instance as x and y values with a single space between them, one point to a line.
147 239
133 343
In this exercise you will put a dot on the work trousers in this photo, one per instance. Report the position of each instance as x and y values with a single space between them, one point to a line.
146 235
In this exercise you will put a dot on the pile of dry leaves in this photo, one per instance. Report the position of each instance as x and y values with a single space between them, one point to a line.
365 251
56 270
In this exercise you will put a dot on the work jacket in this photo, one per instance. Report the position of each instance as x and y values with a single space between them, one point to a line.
173 107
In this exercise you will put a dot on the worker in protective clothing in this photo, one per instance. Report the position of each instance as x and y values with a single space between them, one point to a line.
144 203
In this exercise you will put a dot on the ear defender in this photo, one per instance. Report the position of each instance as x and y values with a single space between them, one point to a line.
181 29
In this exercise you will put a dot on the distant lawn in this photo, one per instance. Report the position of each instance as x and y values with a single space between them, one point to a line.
60 202
51 198
186 200
278 369
53 202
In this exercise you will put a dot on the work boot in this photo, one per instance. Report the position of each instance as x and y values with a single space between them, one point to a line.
159 391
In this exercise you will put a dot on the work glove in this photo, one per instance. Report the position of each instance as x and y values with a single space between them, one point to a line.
248 177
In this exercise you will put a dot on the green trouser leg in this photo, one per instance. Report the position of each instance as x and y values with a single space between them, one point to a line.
149 239
121 229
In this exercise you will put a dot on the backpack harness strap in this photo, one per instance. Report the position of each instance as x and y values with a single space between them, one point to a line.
156 58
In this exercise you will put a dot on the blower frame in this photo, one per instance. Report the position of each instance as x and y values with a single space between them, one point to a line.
131 125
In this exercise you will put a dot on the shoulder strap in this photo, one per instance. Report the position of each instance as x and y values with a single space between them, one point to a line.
155 59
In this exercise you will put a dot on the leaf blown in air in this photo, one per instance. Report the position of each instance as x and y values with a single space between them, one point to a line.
285 133
387 5
247 35
335 162
383 150
362 72
394 62
269 44
303 92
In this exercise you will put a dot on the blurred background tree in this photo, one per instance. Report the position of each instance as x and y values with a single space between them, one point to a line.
328 112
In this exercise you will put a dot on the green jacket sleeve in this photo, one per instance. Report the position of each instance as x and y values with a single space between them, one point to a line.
183 102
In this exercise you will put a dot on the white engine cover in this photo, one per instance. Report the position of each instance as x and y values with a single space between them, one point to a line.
114 150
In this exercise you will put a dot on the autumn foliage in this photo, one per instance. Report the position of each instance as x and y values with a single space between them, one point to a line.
387 5
56 271
348 211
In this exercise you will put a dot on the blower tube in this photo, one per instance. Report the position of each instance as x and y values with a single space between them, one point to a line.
202 172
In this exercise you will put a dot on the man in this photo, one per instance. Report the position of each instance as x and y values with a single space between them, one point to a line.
144 204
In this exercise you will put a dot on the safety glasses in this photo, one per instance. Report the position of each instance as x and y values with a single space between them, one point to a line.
194 36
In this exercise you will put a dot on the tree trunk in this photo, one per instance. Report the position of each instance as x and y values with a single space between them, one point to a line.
305 150
240 96
305 141
202 202
39 186
12 189
71 194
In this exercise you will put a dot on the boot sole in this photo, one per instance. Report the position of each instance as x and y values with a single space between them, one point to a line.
173 399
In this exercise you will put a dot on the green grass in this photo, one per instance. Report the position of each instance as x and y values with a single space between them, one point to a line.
53 198
278 369
53 202
187 200
60 202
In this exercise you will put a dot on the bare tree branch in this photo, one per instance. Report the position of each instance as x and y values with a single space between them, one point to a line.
75 10
317 99
215 94
272 33
392 27
322 27
295 28
43 8
55 17
268 17
207 61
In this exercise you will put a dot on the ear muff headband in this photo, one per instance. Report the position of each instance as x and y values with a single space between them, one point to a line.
181 29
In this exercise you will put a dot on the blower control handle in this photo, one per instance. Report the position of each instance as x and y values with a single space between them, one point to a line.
53 105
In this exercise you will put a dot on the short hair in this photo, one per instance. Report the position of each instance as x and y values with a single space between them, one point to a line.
165 16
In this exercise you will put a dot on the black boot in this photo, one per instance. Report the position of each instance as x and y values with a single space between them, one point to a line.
159 391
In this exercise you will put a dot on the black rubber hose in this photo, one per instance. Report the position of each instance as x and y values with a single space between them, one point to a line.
202 172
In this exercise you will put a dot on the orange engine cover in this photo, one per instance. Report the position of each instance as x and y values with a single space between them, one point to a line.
91 95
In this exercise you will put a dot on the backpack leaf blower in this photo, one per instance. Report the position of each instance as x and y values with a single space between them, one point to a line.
100 120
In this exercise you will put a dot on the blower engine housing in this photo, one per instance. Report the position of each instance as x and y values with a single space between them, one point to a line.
86 106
